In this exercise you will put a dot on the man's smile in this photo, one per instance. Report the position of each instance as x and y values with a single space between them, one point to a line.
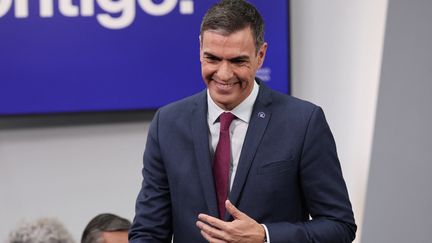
225 86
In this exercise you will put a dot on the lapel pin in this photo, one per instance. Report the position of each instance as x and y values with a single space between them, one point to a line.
261 114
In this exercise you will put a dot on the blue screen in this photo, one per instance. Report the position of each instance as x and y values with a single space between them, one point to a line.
110 55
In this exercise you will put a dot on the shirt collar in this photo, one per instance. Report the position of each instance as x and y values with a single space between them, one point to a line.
242 111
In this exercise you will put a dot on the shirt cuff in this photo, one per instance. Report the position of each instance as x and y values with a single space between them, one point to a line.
267 234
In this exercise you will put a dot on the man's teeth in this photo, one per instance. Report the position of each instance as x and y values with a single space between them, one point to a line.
225 85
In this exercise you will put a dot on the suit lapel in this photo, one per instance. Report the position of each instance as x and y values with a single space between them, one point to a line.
259 119
200 134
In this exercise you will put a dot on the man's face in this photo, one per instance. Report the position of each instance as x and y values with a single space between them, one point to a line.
115 236
228 65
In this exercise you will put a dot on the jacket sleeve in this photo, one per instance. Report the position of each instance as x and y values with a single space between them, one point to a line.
152 222
324 192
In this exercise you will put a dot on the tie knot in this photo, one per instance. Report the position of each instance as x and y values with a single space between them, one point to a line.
225 120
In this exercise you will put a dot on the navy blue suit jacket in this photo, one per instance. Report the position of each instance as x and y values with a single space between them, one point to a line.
288 170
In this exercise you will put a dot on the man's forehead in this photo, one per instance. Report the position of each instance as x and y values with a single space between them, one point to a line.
226 53
115 236
237 43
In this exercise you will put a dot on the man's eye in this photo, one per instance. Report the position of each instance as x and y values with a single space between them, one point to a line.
212 59
238 61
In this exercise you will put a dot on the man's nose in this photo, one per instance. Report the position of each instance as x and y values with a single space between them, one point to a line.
225 72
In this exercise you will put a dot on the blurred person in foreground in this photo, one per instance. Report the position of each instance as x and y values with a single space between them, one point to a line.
106 228
44 230
239 162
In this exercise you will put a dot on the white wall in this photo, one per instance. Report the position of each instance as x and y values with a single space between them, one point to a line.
69 172
336 62
399 194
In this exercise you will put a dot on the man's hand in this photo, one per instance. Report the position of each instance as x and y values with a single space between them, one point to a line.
241 229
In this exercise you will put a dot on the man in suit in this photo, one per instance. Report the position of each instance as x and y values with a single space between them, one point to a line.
239 162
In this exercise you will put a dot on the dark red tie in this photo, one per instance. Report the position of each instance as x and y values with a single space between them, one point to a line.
221 162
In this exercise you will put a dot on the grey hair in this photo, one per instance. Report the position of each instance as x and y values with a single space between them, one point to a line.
229 16
103 223
44 230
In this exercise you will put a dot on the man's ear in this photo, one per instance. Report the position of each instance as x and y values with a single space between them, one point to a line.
200 41
200 47
261 54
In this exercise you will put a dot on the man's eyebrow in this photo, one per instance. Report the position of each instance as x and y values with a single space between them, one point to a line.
208 54
234 59
239 58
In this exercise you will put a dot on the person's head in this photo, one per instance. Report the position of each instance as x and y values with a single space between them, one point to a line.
45 230
232 49
106 228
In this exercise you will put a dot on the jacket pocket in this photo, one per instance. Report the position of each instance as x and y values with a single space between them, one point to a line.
276 167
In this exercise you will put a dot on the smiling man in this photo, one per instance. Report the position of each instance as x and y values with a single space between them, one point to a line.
229 63
239 162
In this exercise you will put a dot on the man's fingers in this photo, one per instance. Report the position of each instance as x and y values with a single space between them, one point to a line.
215 222
210 233
237 214
242 229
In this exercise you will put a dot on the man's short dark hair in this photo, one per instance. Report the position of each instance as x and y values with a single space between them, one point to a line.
229 16
103 223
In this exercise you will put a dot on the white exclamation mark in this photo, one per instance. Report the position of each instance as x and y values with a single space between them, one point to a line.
186 6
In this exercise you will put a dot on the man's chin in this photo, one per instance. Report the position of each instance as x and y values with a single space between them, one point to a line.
224 101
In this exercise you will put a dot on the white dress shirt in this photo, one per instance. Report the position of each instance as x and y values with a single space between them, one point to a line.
238 129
